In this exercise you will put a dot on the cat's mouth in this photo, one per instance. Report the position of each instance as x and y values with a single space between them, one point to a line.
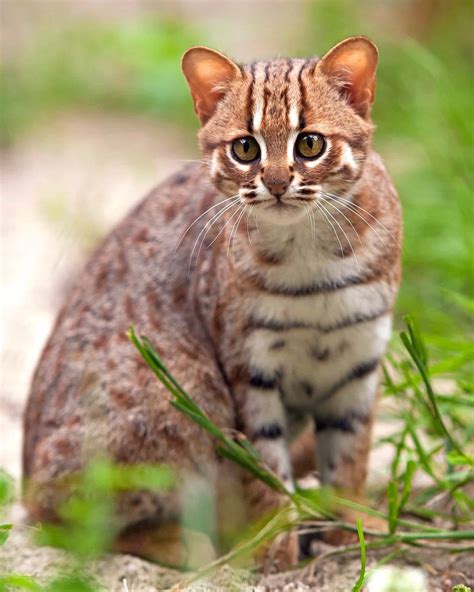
281 205
287 203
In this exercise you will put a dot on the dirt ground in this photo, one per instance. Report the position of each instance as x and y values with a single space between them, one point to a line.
122 573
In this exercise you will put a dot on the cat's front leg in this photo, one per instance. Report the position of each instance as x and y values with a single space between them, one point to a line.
343 423
265 425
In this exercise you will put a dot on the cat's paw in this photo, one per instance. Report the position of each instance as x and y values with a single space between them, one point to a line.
280 554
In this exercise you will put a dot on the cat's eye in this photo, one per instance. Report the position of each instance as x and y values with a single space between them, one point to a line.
245 149
309 146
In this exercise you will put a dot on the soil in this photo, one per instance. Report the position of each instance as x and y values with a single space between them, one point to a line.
122 573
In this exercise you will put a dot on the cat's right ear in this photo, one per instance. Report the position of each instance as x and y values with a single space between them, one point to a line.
208 73
351 67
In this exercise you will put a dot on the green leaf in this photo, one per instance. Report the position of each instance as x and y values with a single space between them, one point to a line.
18 581
363 560
455 458
6 488
4 533
407 483
392 497
71 583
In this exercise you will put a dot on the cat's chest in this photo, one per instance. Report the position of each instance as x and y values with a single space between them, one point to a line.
307 362
313 324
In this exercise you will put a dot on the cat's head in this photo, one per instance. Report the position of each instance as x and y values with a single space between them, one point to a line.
279 133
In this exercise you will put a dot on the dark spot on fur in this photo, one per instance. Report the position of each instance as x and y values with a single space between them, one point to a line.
180 179
276 345
261 381
344 423
129 309
320 355
307 388
100 341
170 210
111 364
141 236
153 310
269 431
135 500
121 399
179 293
273 258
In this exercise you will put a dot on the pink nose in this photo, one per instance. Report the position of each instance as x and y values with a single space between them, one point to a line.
277 188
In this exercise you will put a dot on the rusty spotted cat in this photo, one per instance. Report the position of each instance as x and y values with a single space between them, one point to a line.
265 276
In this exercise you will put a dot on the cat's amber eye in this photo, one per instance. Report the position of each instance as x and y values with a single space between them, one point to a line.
246 149
309 145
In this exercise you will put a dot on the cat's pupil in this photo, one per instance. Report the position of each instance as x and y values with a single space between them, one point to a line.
246 145
309 142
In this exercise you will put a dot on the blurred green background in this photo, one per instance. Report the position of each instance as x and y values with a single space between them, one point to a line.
121 59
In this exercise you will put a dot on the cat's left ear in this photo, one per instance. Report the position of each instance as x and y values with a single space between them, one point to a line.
208 73
351 67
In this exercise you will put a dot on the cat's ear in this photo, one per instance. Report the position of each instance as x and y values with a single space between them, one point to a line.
208 73
351 67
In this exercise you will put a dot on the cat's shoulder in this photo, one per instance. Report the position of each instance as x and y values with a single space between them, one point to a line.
377 175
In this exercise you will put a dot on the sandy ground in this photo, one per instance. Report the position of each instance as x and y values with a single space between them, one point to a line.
119 573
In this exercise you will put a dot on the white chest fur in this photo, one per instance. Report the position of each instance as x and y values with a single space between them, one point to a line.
312 342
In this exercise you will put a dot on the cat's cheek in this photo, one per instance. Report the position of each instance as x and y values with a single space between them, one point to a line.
225 184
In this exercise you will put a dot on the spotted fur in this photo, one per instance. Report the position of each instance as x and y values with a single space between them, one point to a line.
266 286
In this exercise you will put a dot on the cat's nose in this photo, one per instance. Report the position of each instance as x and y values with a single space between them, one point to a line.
277 187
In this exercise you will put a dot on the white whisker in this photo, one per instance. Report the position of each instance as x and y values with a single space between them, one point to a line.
350 204
309 209
331 203
354 211
200 216
249 211
233 232
318 205
206 228
344 233
256 224
220 231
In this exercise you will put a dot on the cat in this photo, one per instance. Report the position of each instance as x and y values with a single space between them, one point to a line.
264 275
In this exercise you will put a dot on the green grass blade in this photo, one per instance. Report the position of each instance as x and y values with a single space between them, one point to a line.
363 559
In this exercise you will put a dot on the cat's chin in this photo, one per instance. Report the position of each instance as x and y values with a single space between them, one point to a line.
282 214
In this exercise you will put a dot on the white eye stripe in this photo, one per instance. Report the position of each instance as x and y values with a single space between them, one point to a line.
214 163
258 97
294 117
263 146
294 96
291 147
347 157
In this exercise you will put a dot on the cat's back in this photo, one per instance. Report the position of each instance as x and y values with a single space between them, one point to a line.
141 267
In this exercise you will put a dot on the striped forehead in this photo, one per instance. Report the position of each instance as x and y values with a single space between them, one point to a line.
277 95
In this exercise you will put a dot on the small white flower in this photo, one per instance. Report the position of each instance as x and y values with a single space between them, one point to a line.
396 579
